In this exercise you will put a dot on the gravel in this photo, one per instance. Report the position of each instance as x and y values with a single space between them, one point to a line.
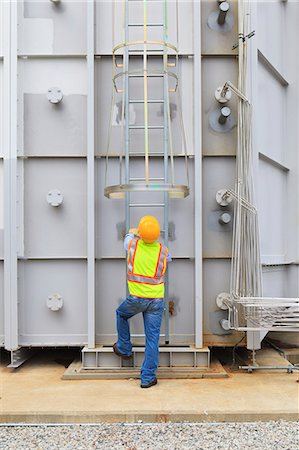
272 435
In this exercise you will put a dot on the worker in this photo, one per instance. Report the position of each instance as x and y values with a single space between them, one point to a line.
146 266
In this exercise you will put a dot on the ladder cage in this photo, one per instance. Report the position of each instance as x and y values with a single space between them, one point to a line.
141 52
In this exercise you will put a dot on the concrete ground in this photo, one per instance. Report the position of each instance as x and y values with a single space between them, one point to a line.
36 393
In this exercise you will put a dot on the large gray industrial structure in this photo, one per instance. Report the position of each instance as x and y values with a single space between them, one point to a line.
62 263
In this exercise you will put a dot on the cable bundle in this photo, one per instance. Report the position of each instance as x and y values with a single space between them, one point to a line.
246 274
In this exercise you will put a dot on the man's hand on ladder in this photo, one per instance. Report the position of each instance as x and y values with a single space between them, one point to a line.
134 231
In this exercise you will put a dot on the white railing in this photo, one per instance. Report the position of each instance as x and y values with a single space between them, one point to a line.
263 314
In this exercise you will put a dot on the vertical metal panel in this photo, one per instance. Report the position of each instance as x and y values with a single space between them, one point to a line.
292 281
215 72
218 173
217 42
1 212
272 29
10 175
55 231
61 128
216 277
1 305
110 290
1 24
275 281
61 27
1 109
1 150
272 107
272 198
38 324
292 140
186 322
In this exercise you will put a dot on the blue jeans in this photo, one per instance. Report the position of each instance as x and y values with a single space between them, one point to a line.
152 310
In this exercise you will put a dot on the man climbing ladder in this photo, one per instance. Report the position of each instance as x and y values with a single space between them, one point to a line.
146 265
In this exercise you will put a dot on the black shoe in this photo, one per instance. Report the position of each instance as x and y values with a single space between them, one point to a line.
150 384
117 352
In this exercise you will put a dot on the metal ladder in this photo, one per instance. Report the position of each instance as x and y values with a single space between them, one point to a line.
129 129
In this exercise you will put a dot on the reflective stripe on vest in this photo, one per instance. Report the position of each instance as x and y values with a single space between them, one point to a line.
131 253
142 279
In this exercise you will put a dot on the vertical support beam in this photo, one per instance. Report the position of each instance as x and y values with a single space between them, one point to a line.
197 173
166 131
90 173
126 97
10 26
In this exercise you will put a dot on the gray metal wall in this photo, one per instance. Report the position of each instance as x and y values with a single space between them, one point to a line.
52 149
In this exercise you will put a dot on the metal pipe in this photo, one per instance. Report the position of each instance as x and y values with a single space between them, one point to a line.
223 10
225 113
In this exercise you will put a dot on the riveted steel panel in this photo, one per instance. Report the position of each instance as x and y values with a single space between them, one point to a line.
110 213
111 290
55 231
1 305
218 41
38 324
215 72
61 27
218 173
155 111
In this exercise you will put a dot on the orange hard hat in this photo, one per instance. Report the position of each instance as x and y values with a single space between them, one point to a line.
149 229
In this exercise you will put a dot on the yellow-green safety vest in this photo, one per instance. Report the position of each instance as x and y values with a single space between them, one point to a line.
146 268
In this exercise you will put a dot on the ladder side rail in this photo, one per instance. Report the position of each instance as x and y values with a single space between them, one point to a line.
166 130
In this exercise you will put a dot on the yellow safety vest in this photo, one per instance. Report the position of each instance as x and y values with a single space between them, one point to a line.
146 268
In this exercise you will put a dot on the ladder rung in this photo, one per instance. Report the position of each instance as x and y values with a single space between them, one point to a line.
149 101
142 154
147 205
141 24
148 51
150 127
143 179
149 75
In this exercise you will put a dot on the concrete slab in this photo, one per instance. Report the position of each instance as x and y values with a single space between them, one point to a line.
36 393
